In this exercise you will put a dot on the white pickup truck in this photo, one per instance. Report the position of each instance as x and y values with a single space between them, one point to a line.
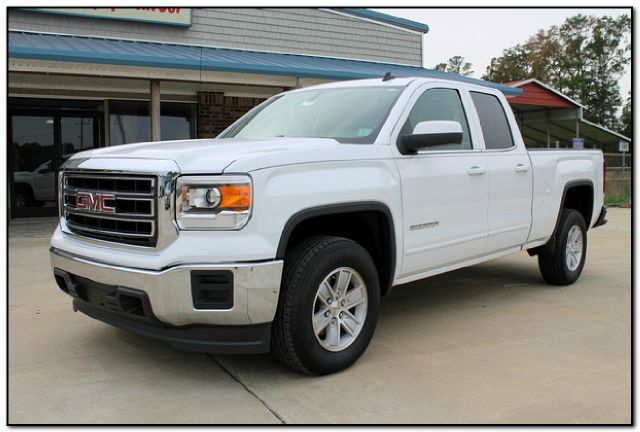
284 232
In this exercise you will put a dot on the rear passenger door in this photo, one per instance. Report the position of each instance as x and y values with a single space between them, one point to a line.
510 175
444 188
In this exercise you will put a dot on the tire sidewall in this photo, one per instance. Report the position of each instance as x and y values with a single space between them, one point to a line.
573 219
26 196
316 358
20 199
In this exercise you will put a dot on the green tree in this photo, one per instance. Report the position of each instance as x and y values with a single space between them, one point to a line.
583 58
513 65
625 118
455 64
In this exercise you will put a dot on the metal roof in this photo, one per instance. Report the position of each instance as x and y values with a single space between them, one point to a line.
389 19
561 128
565 130
55 47
522 83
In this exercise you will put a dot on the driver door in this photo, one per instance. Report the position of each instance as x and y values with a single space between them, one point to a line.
445 189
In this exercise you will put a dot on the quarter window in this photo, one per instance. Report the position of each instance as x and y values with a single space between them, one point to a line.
439 104
493 121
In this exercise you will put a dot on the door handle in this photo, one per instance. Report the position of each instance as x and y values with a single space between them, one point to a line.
522 168
476 170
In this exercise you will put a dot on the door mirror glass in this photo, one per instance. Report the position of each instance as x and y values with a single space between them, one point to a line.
429 134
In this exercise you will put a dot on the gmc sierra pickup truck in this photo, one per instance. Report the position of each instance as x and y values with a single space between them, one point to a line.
283 233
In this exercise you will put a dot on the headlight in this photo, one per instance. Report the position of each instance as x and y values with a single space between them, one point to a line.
213 202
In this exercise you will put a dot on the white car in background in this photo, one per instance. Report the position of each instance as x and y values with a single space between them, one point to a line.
35 188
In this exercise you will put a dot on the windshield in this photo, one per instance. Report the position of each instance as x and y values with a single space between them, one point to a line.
350 115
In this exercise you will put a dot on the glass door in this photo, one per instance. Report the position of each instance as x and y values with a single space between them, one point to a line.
77 133
40 143
34 164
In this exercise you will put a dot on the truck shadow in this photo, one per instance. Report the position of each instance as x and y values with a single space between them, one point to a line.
483 282
483 285
473 288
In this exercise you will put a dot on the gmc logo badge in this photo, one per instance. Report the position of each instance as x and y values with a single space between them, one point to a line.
95 201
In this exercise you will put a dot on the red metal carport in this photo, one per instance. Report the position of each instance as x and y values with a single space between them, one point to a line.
548 118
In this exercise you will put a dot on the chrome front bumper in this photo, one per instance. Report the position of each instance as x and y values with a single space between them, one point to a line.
256 287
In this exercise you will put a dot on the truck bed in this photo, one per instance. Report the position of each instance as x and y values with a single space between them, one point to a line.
553 171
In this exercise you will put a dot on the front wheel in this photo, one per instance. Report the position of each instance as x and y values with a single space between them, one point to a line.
563 263
24 198
328 305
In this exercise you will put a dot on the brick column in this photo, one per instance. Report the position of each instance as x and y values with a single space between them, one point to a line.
217 111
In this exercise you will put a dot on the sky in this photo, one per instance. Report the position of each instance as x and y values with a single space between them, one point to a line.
481 34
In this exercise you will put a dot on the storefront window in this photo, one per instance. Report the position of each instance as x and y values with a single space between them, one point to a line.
42 138
77 134
34 178
129 121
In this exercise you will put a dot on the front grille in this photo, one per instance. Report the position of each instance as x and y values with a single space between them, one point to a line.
111 207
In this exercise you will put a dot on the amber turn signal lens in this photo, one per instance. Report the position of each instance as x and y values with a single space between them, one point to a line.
235 197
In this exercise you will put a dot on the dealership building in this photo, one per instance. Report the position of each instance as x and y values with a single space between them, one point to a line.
81 78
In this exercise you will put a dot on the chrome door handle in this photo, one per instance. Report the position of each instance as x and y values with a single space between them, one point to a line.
522 168
476 170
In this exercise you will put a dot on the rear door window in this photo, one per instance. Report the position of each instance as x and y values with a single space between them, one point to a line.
493 121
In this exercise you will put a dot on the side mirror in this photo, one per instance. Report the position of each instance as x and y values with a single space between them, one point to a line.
46 169
430 133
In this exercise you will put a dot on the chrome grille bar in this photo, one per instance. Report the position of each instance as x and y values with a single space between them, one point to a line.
117 208
125 185
148 210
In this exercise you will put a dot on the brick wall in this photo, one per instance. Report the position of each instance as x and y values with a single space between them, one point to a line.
217 111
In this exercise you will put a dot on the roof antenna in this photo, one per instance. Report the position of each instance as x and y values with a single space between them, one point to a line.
388 77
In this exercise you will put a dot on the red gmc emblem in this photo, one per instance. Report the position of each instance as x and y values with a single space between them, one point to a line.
94 201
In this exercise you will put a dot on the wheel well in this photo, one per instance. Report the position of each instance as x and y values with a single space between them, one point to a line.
25 187
577 196
580 197
372 228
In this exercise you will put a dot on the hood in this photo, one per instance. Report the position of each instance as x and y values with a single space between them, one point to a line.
227 154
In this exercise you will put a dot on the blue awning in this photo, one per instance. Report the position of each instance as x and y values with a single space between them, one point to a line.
25 45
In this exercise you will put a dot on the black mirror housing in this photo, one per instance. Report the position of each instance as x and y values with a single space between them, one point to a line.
411 143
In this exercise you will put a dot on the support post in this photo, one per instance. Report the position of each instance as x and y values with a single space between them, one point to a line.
107 124
155 110
548 116
623 175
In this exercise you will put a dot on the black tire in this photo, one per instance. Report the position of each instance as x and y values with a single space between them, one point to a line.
552 259
23 197
293 340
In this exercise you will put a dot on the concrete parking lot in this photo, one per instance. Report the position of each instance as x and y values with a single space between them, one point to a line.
488 344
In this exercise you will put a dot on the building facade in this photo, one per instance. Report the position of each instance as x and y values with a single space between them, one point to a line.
81 78
60 104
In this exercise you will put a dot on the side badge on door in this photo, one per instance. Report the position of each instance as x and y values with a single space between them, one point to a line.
424 225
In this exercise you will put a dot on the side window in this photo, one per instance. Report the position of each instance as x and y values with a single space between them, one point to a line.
493 120
439 104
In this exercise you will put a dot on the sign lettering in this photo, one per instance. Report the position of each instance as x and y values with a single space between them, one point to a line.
159 15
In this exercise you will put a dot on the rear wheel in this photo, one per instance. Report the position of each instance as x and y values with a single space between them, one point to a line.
562 264
328 305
